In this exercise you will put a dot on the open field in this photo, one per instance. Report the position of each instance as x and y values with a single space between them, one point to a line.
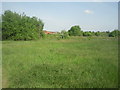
78 62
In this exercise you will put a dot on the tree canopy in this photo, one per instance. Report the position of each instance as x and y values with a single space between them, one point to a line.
20 27
114 33
75 31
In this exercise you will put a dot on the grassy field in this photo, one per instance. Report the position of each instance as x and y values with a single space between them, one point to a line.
77 62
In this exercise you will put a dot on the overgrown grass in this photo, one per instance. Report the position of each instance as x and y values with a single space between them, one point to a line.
77 62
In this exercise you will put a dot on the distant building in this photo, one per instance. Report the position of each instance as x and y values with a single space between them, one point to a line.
49 32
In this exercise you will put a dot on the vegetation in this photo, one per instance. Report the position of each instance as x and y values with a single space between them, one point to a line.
76 62
87 33
75 31
115 33
64 34
97 33
20 27
68 59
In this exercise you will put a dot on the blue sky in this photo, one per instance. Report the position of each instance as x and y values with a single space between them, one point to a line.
57 16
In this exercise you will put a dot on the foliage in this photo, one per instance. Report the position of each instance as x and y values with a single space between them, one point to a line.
20 27
64 34
114 33
75 31
97 33
87 33
42 34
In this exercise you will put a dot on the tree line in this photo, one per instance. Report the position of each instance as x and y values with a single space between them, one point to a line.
21 27
76 31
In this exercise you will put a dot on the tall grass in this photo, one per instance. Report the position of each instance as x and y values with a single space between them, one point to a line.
77 62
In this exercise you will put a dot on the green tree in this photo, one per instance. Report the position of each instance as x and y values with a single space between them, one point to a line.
20 27
114 33
75 31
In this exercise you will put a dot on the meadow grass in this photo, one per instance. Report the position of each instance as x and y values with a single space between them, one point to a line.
77 62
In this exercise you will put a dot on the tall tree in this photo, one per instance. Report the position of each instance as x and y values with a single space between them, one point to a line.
20 27
75 31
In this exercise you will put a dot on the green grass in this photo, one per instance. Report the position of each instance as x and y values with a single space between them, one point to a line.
77 62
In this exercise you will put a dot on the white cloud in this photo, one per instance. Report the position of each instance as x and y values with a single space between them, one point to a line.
88 12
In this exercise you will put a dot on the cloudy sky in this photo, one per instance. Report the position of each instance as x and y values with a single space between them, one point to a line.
57 16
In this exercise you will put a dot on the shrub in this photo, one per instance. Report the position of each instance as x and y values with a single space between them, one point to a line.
20 27
75 31
114 33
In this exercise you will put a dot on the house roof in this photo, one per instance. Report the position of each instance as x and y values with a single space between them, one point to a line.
49 32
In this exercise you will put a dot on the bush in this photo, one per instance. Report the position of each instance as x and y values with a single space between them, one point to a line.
20 27
87 33
114 33
42 34
75 31
97 33
64 34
